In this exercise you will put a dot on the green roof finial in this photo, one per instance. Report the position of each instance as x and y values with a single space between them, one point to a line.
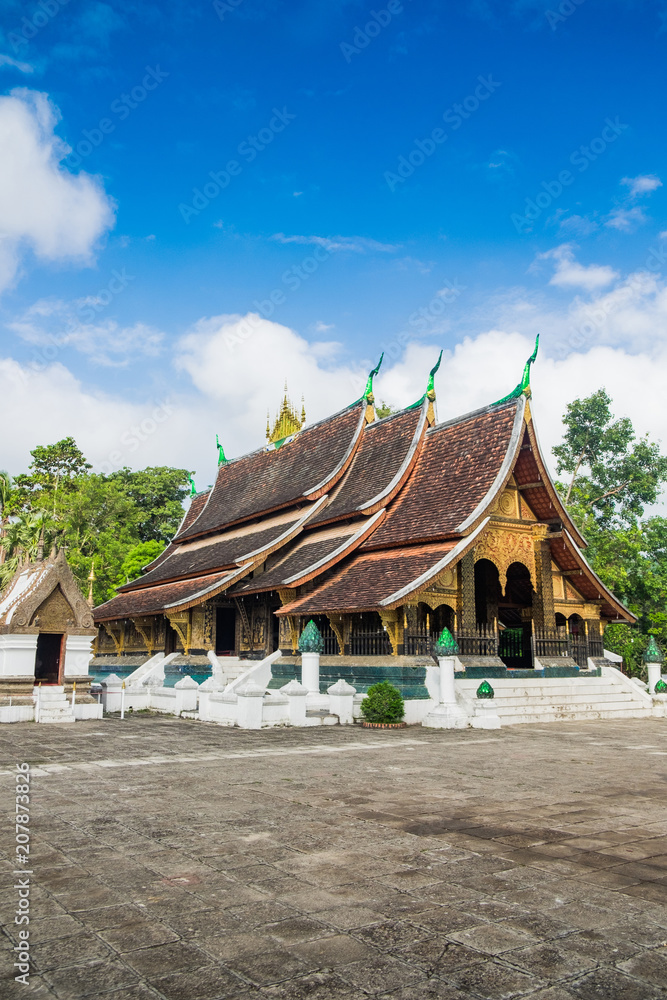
430 388
311 640
221 453
193 488
523 388
368 391
485 690
446 644
653 653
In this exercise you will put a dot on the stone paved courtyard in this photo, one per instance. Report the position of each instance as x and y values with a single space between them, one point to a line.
179 860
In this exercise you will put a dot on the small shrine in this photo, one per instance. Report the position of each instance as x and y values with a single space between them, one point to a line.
46 633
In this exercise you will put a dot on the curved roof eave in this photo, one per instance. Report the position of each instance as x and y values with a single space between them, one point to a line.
588 570
504 472
451 558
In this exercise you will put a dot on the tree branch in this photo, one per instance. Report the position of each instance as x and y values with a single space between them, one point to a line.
610 493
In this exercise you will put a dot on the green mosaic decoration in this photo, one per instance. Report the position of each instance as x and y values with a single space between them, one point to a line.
368 391
430 388
446 644
653 653
221 453
660 687
193 488
523 388
310 640
485 690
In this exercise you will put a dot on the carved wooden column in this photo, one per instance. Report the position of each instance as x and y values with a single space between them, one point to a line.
544 615
468 619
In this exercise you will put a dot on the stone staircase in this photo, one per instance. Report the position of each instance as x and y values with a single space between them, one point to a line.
611 696
233 667
53 705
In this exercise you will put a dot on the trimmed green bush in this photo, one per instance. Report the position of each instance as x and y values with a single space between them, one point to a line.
383 703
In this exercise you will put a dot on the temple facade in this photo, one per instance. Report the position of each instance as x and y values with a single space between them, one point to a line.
382 531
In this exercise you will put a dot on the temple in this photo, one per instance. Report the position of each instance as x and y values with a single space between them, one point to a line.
382 531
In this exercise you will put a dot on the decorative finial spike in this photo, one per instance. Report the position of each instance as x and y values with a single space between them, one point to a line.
368 391
193 488
523 388
221 453
430 388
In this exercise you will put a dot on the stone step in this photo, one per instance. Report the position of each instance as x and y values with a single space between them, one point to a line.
566 715
605 698
617 705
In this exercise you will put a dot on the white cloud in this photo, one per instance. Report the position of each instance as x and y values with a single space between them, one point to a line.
43 208
334 244
577 225
641 185
626 220
53 325
9 63
569 273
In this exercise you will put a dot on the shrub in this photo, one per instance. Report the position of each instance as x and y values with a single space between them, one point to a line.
383 703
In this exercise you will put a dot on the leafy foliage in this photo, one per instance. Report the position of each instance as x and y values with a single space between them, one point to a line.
613 476
383 703
115 524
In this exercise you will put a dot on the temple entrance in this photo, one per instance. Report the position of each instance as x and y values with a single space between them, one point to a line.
48 657
515 647
225 631
170 638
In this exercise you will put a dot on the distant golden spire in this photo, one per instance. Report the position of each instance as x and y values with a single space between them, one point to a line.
287 420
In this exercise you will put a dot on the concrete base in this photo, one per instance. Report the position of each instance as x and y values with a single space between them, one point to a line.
485 716
446 717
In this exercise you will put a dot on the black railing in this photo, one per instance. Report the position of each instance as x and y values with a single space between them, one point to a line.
419 641
370 642
480 641
559 642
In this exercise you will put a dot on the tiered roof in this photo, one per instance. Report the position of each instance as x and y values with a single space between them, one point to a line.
363 511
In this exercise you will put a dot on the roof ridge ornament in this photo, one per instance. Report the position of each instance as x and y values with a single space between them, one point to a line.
430 391
523 388
368 391
221 452
193 488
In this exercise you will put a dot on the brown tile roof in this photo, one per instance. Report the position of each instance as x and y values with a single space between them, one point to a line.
567 556
370 579
458 465
197 505
296 563
218 554
383 460
268 480
167 595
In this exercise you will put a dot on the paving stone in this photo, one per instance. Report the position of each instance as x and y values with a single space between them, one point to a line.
494 981
649 966
383 974
549 962
91 979
317 986
610 984
137 934
332 951
491 939
175 957
295 930
347 917
210 983
263 968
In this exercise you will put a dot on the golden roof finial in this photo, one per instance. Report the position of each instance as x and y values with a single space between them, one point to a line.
287 420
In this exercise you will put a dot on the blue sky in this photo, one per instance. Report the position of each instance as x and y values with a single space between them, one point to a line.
399 177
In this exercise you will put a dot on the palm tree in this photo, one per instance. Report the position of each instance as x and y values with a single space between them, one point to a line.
25 539
5 498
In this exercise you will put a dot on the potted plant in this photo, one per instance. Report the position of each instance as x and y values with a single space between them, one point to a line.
383 707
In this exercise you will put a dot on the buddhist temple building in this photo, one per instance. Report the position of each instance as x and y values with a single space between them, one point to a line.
382 531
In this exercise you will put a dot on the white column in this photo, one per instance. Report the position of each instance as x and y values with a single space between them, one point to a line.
341 701
296 695
17 655
187 693
448 714
78 651
654 671
310 672
111 688
250 704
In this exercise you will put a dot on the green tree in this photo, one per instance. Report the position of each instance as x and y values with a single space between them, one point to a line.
157 493
384 410
613 475
138 557
5 502
55 469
